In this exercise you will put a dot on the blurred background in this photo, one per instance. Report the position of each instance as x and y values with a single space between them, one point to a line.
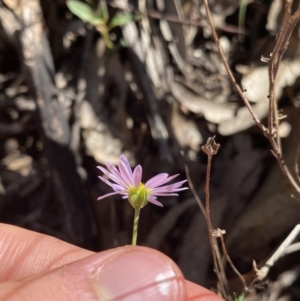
86 81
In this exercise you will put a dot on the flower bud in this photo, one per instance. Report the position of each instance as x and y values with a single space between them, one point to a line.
138 196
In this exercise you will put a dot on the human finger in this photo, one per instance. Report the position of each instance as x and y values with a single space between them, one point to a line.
196 292
123 274
24 253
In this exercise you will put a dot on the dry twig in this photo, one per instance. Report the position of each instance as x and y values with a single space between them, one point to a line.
261 274
220 233
192 187
288 26
210 149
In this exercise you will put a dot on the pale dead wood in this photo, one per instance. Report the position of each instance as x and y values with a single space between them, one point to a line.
261 274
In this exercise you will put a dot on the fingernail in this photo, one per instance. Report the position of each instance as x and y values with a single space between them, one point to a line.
136 274
139 274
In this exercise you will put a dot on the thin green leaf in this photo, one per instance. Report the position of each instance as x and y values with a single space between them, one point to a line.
102 10
83 12
120 20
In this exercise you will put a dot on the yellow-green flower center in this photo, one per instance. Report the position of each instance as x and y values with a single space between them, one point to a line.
138 196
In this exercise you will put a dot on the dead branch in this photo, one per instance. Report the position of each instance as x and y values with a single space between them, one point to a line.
261 274
210 149
275 147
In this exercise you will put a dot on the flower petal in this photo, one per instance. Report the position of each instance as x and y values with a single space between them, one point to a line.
162 181
153 200
116 174
106 195
156 192
164 194
137 175
154 182
115 187
123 178
125 174
169 188
126 163
105 171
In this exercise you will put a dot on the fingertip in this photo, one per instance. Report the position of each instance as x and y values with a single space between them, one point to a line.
123 274
136 273
196 292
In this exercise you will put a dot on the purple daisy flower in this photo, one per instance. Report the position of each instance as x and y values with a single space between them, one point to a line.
128 184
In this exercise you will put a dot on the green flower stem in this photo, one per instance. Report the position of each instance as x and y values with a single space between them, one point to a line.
103 30
135 225
107 40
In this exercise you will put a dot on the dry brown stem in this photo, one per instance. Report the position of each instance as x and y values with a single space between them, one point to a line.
220 233
192 187
289 23
210 149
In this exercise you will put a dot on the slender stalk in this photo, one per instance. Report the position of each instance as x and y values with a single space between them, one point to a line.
276 151
231 263
107 40
210 149
209 225
135 225
284 35
221 267
191 184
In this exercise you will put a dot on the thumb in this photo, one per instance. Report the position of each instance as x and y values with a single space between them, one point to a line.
127 273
